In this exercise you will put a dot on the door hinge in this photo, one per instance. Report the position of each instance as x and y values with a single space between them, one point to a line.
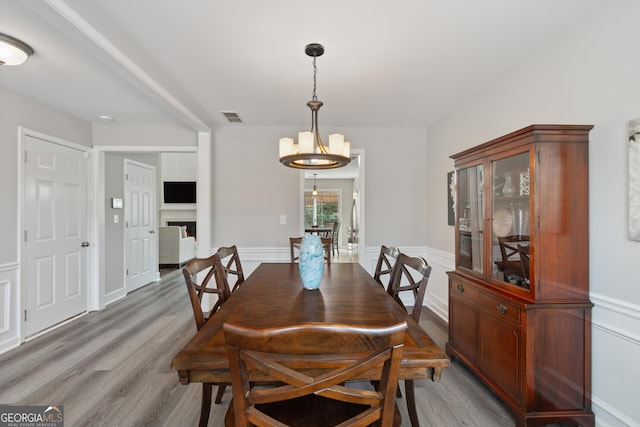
25 235
25 315
25 156
538 156
127 271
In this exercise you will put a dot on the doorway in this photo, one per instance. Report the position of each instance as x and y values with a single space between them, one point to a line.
140 224
349 182
55 246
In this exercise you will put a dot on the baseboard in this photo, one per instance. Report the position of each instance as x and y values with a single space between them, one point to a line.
608 416
9 344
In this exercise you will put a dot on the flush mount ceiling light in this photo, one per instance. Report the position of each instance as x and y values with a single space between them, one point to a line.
310 152
13 51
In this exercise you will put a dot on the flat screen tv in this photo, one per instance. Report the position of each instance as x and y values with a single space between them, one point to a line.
179 192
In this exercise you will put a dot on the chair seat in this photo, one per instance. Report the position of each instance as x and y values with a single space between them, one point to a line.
310 411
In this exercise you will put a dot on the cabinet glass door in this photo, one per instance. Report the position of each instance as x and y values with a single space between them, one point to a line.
510 220
470 214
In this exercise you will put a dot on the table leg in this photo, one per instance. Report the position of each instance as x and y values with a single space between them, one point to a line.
409 393
205 408
221 389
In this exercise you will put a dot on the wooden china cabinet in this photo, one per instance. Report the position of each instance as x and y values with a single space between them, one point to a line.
519 309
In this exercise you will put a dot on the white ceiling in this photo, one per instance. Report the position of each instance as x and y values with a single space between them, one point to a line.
395 64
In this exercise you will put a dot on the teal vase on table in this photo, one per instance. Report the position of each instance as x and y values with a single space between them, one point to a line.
311 261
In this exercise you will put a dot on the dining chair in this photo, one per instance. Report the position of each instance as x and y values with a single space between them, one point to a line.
335 246
410 274
311 396
510 265
523 250
294 247
232 266
214 283
386 261
328 225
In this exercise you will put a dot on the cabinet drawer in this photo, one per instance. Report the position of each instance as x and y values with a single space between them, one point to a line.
490 303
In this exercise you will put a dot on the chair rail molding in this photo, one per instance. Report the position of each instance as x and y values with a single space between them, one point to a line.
609 312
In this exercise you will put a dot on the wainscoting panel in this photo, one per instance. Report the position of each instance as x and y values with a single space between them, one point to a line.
9 307
440 262
615 352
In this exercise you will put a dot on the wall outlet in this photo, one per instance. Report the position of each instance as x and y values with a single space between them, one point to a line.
116 219
283 219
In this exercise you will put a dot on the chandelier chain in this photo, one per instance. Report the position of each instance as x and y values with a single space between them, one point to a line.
315 70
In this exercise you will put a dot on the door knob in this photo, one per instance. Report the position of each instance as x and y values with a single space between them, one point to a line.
85 244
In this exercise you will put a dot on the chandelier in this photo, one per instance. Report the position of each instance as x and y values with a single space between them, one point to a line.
310 152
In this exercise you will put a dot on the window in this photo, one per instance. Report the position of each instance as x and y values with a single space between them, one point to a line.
327 205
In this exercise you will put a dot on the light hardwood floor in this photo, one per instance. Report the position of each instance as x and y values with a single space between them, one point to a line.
112 368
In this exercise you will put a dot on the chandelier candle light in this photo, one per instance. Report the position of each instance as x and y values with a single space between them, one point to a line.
310 152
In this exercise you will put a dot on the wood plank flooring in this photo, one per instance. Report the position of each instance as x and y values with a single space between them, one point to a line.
112 368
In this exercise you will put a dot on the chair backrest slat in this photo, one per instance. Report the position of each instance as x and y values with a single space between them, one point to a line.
386 261
410 274
232 266
213 283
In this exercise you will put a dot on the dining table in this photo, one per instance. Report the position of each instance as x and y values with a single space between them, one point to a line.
273 296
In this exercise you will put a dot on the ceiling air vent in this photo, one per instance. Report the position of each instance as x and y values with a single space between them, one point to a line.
232 117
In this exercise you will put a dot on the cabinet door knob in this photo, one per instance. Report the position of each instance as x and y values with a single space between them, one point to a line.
502 308
460 287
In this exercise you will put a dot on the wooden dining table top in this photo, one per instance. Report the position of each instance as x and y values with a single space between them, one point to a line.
273 296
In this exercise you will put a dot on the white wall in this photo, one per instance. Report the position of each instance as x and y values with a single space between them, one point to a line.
589 76
252 189
143 134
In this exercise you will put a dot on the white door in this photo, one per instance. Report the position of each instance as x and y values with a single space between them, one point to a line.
55 234
140 224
